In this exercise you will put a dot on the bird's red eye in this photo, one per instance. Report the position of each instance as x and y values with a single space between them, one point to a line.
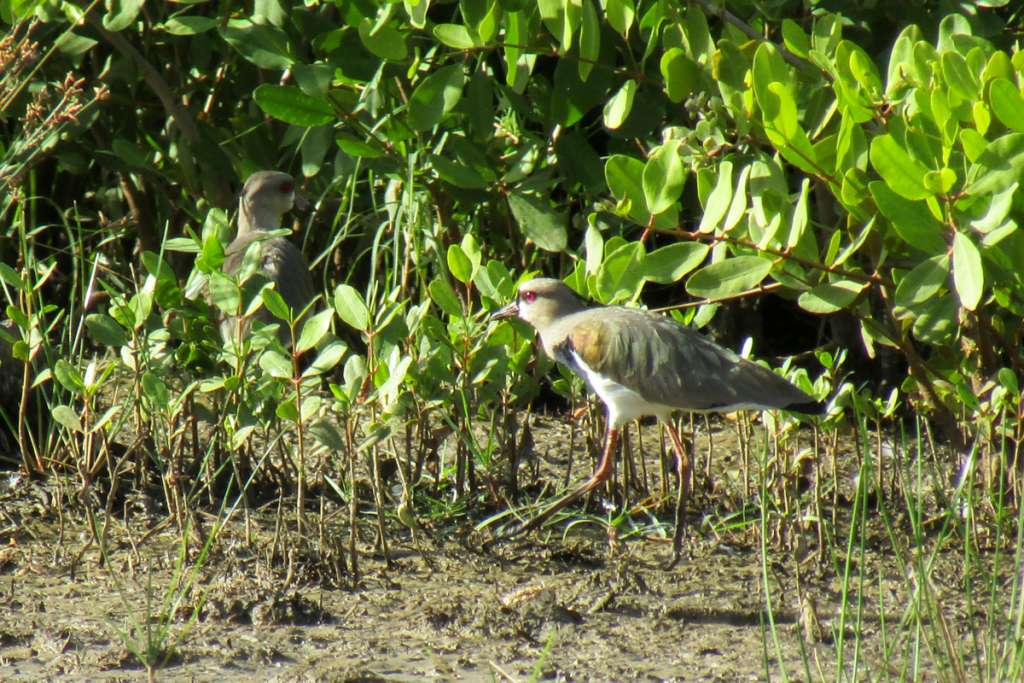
529 297
286 187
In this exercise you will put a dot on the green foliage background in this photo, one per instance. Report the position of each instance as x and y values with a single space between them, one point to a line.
859 159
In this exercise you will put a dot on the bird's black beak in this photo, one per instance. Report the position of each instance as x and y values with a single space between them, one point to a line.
301 204
509 311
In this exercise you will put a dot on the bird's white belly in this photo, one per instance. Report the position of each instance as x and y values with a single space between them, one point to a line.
624 404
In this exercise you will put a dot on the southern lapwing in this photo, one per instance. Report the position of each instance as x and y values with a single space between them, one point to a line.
641 363
266 198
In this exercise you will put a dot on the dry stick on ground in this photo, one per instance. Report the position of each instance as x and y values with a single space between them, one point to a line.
353 508
646 484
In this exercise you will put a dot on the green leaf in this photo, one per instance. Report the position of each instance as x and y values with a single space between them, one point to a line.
999 206
454 35
768 67
924 282
941 181
326 359
798 220
355 147
590 39
105 330
224 293
458 174
663 177
718 200
782 126
795 39
698 41
459 264
999 65
681 74
66 417
1007 104
442 294
998 167
670 263
310 406
571 98
728 277
982 116
384 40
351 308
315 79
354 374
619 14
397 373
495 281
211 256
471 248
621 273
830 297
327 434
958 75
189 25
264 45
901 58
417 12
974 143
276 364
286 410
903 174
539 222
593 249
268 11
154 389
482 18
864 71
121 14
69 376
436 96
617 109
289 104
273 302
314 328
968 273
936 322
12 277
912 221
952 25
624 177
516 28
314 147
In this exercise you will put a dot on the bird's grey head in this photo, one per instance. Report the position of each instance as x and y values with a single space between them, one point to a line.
542 301
266 197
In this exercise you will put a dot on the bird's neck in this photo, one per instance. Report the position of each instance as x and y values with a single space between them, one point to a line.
253 219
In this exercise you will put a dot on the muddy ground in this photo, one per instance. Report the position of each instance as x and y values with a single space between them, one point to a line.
580 607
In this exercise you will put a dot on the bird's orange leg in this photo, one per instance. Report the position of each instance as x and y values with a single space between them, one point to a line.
601 474
683 472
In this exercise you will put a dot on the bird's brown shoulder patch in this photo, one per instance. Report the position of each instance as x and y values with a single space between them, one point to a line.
590 340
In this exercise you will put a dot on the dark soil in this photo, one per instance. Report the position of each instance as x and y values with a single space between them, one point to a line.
587 606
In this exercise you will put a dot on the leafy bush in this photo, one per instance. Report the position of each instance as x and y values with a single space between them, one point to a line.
452 146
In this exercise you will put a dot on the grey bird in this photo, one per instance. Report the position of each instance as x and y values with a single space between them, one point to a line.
641 363
266 198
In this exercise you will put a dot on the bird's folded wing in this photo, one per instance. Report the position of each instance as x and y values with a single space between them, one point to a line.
670 364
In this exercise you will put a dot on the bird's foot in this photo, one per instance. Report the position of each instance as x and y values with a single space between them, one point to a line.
677 540
677 554
520 530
